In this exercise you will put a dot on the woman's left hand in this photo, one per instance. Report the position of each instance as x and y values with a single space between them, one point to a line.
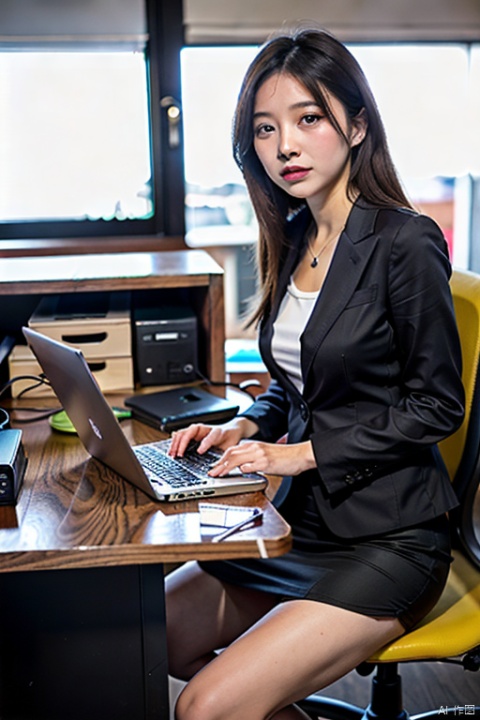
268 458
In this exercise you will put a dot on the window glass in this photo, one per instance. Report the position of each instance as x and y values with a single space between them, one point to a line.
474 110
74 136
217 207
423 95
474 98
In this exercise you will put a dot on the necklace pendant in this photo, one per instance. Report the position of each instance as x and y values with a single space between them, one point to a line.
314 262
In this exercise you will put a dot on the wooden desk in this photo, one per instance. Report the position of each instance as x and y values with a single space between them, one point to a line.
82 629
25 281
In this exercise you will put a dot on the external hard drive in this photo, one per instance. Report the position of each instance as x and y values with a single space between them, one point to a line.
12 465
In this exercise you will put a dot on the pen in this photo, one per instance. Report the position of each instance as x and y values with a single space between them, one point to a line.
257 513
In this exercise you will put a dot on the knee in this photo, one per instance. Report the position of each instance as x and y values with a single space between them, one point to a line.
195 704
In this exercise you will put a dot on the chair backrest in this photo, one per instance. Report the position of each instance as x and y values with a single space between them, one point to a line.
461 450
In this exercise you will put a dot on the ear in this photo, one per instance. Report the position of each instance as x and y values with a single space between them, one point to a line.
359 128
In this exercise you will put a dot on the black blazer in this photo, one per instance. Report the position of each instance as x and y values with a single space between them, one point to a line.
381 366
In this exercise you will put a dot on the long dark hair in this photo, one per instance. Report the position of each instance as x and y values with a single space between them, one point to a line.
323 65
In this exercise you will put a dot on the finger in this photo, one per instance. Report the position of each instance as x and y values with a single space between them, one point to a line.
219 468
181 440
250 458
247 467
231 459
193 432
174 442
223 466
209 440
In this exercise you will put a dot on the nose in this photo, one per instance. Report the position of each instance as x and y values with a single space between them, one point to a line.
287 147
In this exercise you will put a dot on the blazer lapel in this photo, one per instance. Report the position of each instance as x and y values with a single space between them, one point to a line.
354 248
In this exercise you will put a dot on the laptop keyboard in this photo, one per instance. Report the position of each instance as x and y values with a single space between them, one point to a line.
177 472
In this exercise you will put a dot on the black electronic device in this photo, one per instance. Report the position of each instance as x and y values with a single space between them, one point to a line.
172 409
13 462
165 345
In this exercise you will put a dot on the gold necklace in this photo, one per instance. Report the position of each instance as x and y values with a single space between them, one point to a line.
314 262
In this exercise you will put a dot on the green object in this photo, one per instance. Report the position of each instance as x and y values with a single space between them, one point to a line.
62 423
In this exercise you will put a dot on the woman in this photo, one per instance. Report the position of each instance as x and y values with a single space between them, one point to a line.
358 333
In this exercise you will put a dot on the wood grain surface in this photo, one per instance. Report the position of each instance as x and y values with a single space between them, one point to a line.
73 512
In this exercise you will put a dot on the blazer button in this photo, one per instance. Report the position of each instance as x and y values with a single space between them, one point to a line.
304 412
349 479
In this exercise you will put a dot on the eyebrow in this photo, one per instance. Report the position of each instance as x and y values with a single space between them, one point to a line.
295 106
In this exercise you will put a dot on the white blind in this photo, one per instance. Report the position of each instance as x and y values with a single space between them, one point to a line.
252 21
59 22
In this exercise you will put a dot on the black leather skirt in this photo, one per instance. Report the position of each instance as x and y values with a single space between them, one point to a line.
400 574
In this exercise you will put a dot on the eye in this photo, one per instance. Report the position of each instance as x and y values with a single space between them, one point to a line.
311 118
263 130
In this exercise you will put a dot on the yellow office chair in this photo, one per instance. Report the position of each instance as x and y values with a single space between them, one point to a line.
452 628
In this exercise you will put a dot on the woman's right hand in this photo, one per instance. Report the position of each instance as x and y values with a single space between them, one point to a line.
222 436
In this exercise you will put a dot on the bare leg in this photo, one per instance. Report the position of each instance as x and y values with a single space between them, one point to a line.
204 615
299 647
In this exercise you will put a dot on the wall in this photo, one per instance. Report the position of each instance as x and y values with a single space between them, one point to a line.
367 20
34 20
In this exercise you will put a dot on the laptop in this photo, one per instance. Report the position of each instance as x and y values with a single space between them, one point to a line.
147 466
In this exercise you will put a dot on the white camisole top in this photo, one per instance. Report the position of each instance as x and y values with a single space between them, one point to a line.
293 315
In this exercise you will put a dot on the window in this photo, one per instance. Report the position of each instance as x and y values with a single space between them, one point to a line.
84 145
217 207
474 104
74 136
427 98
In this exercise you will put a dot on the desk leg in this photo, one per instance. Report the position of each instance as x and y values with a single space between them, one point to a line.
83 644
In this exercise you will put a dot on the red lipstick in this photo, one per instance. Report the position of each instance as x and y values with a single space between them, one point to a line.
293 173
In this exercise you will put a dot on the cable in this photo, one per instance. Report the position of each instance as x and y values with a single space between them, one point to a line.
38 381
4 419
44 416
243 386
40 413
